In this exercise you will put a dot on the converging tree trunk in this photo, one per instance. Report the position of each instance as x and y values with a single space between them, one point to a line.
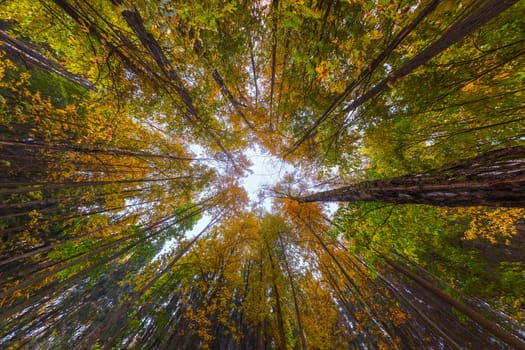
490 326
18 50
483 13
495 179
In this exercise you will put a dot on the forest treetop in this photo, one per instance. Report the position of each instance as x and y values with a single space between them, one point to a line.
124 123
297 78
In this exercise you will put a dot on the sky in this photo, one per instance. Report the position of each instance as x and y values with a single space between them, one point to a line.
265 170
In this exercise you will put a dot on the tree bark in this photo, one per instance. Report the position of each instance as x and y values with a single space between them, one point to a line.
279 310
294 296
494 179
455 33
495 329
87 150
19 50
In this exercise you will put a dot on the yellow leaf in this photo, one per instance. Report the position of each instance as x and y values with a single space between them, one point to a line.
470 87
322 71
376 34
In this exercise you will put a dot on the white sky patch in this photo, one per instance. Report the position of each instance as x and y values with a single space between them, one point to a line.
331 208
267 170
199 226
198 150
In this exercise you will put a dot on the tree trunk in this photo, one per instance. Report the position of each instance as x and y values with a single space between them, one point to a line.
494 328
18 50
495 179
455 33
279 310
294 296
89 341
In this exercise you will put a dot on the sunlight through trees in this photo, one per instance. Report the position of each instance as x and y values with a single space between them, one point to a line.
168 171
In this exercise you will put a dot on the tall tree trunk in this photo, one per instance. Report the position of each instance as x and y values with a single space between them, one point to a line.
494 328
136 23
89 341
279 310
485 11
18 50
495 179
294 295
455 33
65 147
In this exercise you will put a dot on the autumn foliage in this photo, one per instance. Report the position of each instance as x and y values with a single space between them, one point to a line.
125 134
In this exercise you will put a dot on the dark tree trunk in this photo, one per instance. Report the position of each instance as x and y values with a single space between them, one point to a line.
18 50
495 179
455 33
488 325
89 341
279 310
480 16
294 296
88 150
136 23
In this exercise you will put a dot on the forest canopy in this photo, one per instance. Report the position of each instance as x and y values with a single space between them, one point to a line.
128 130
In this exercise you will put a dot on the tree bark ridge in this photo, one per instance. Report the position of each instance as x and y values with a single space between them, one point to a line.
494 179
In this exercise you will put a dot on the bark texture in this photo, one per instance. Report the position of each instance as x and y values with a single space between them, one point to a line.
488 325
18 50
495 179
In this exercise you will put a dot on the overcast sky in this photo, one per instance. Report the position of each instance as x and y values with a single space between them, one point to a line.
266 170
